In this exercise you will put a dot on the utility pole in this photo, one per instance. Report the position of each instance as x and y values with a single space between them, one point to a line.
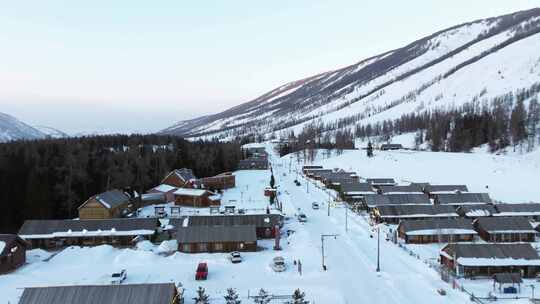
532 287
346 217
322 246
378 249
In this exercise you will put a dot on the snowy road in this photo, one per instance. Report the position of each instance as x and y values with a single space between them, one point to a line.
351 257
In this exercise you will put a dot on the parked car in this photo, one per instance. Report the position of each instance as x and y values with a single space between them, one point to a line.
302 218
278 264
119 277
202 272
315 205
236 257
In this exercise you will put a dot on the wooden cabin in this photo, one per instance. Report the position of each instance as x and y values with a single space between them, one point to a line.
354 192
55 234
195 239
12 252
265 224
484 260
222 181
161 293
505 229
197 198
106 205
180 178
436 230
166 190
253 164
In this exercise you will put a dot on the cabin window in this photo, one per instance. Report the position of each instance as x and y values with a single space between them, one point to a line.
218 246
186 248
203 247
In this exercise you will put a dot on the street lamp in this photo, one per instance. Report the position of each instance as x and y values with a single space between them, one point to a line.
378 249
322 246
532 287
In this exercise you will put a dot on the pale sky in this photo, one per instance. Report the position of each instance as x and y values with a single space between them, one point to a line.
127 66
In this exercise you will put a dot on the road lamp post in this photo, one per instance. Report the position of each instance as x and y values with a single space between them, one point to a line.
322 246
378 249
532 289
346 217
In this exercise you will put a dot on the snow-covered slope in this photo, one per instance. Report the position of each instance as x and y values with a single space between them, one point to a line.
51 132
477 60
13 129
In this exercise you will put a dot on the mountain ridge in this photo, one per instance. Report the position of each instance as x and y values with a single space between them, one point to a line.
435 60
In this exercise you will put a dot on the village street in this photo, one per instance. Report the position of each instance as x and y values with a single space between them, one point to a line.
351 257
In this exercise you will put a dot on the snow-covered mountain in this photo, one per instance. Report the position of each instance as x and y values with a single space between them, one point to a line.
479 60
51 132
13 129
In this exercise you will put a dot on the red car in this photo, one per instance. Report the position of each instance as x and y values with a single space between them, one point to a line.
202 272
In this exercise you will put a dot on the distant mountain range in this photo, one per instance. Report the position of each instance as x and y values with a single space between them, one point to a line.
13 129
479 60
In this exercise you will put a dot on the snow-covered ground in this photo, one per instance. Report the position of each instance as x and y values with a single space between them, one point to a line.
351 257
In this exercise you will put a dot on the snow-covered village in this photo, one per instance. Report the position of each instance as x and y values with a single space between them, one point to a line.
168 153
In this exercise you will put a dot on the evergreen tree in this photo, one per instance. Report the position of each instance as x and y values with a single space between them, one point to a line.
517 123
232 297
263 297
202 297
298 297
533 119
272 181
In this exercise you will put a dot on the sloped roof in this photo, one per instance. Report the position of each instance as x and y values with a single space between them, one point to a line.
381 181
463 198
372 200
413 188
185 174
105 294
210 234
356 187
477 210
190 192
525 209
50 227
505 224
445 188
516 251
111 198
164 188
416 211
437 223
258 220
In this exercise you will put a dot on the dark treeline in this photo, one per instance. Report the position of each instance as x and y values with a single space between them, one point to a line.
313 137
49 179
504 121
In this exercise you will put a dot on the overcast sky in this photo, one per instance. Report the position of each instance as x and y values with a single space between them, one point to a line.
101 65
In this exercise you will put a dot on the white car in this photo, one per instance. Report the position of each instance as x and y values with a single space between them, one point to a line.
235 257
315 205
278 264
302 218
119 277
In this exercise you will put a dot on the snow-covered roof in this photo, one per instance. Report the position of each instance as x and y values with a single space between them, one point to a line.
111 198
33 229
517 254
164 188
526 209
437 226
505 225
462 198
190 192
